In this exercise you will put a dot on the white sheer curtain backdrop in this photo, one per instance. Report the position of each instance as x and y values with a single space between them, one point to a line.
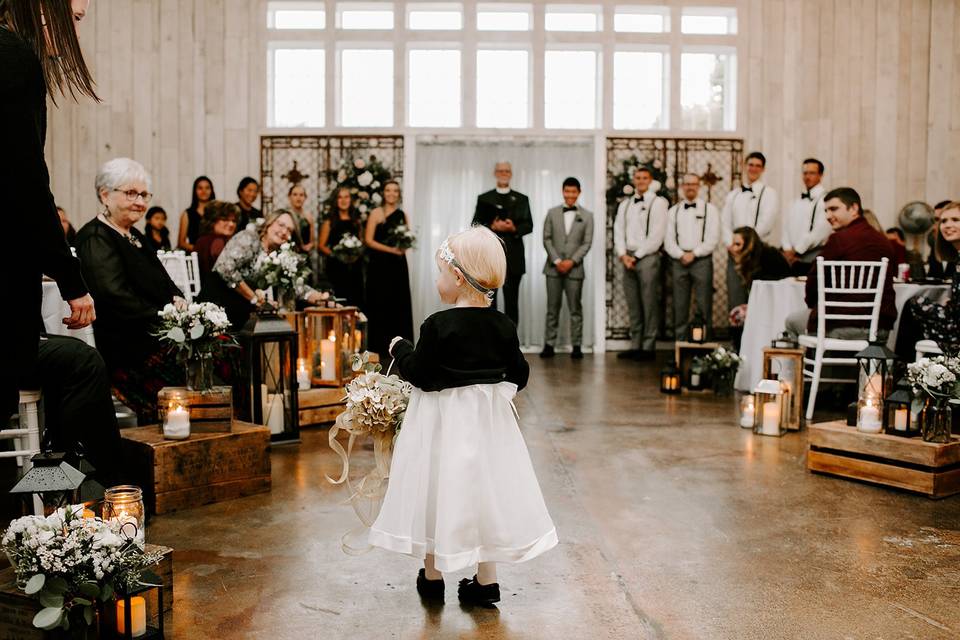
450 174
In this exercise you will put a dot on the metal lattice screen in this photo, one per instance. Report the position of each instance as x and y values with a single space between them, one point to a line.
717 162
309 161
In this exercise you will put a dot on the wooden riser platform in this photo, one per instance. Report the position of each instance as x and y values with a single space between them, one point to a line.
904 463
321 405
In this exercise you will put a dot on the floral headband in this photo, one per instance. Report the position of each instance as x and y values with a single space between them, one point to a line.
447 256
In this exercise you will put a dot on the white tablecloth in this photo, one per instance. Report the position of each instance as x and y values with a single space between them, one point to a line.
54 309
771 301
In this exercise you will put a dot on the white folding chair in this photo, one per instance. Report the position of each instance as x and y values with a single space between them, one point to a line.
175 263
927 348
192 264
26 438
848 291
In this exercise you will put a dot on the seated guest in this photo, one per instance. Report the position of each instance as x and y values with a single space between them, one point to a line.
235 289
899 244
77 404
130 286
755 259
923 319
853 239
247 192
218 226
156 235
935 229
942 263
68 231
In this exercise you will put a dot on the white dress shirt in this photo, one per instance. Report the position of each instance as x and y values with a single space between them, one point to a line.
806 226
568 217
695 229
640 226
756 208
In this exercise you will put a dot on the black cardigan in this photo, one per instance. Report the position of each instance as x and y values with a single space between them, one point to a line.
129 286
463 346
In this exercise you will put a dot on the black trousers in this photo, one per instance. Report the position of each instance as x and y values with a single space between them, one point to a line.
78 406
511 296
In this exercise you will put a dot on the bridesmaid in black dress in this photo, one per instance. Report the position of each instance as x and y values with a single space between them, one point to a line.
346 279
389 310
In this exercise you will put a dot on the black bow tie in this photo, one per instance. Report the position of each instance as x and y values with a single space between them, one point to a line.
805 196
689 205
637 200
745 188
565 209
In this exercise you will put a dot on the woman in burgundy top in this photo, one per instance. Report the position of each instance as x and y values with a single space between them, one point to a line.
219 225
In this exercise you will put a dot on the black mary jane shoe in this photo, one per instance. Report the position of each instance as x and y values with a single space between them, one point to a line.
472 592
429 589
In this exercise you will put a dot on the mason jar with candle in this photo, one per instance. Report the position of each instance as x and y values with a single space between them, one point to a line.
124 504
176 421
770 408
747 411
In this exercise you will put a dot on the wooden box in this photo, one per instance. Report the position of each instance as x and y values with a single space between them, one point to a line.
894 461
17 609
684 353
205 468
320 406
210 411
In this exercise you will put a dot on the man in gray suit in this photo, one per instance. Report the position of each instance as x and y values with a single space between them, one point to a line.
567 236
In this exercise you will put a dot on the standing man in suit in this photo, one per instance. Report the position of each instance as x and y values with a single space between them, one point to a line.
638 232
507 213
752 204
567 237
805 229
693 230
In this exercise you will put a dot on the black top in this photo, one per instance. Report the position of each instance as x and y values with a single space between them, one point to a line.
340 227
463 346
163 245
936 269
194 219
130 287
247 216
773 266
507 206
31 215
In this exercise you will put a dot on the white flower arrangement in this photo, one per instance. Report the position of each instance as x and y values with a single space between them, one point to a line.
721 361
364 177
68 562
348 250
194 330
936 378
284 269
402 237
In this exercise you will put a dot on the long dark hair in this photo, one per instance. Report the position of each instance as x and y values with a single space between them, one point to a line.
194 200
47 26
335 210
749 264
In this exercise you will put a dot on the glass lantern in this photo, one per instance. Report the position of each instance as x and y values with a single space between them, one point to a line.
135 614
747 411
875 378
124 504
784 341
268 390
770 408
898 416
787 364
696 374
333 336
698 329
670 378
50 482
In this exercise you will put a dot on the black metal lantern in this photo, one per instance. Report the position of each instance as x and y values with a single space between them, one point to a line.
135 614
875 364
698 329
268 391
670 378
51 481
784 341
898 416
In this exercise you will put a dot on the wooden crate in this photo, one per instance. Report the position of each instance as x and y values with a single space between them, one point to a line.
684 353
210 411
905 463
17 609
320 406
205 468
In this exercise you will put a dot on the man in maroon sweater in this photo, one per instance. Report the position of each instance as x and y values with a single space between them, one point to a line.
855 240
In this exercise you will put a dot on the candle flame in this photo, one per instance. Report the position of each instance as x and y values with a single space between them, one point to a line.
332 336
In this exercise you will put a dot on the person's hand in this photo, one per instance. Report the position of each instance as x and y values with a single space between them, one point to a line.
179 303
730 250
498 224
509 226
687 258
628 260
82 312
565 266
394 342
398 251
790 255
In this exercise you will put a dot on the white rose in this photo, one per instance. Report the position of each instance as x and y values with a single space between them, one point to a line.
365 178
377 199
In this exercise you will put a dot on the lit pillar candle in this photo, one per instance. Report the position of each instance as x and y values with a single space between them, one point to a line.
746 418
771 419
303 376
328 357
869 421
900 418
696 334
273 411
176 425
138 616
694 379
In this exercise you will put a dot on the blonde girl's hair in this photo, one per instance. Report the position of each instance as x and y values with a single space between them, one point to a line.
480 254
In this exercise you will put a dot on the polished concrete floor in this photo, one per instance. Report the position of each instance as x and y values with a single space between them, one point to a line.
674 523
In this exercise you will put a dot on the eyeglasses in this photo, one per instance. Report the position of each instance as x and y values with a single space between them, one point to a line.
132 195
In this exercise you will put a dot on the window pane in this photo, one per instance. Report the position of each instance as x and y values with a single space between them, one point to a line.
434 88
365 18
435 20
570 89
503 89
366 88
709 20
298 19
708 91
567 18
638 90
298 88
641 20
492 17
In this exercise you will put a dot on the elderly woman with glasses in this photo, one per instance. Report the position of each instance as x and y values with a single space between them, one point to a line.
130 287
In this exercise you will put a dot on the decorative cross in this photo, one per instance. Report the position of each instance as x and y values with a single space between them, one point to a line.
709 178
294 175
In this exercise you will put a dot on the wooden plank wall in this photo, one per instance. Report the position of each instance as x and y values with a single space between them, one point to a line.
871 87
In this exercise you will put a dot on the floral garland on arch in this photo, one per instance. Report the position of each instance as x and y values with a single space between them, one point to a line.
365 178
620 184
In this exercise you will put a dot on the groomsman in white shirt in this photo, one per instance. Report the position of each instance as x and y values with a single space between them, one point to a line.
638 232
693 230
753 204
805 229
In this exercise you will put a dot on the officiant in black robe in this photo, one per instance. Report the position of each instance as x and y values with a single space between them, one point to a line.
507 213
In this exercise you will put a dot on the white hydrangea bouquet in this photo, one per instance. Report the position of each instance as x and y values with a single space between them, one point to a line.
364 177
198 333
348 250
402 237
68 562
936 378
720 366
375 406
285 269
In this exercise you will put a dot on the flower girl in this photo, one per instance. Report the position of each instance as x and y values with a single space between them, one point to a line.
462 490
